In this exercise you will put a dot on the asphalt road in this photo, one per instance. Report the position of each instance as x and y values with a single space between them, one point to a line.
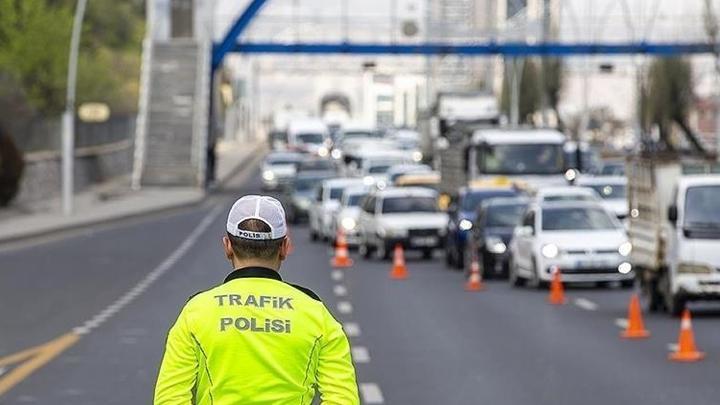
419 341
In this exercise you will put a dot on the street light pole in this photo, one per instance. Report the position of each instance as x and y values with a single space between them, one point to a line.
68 118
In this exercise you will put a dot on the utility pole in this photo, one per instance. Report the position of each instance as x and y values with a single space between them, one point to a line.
68 117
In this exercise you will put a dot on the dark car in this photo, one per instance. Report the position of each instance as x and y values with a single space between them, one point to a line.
492 232
299 194
461 216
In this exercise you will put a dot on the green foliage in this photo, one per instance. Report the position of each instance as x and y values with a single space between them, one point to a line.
529 91
34 45
33 39
668 98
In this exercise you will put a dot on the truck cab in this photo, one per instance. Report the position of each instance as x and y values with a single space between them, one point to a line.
675 231
535 156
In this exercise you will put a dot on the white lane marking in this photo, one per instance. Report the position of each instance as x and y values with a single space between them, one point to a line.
336 275
673 347
352 329
2 370
151 277
340 290
344 307
360 354
586 304
371 393
621 323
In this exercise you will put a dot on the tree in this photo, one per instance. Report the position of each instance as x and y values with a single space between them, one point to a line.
529 101
553 85
668 99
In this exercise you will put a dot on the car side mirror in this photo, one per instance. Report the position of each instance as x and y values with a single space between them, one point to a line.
672 214
525 231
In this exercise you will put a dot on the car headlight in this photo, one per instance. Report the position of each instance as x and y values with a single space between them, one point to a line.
268 175
694 268
465 225
625 249
495 245
417 156
336 154
348 223
550 251
323 151
381 185
624 268
303 203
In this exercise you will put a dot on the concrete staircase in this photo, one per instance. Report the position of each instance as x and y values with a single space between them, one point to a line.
171 144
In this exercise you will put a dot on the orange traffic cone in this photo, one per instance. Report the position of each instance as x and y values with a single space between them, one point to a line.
474 283
399 270
686 350
557 292
342 258
636 327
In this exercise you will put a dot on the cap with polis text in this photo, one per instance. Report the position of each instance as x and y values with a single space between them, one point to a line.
259 207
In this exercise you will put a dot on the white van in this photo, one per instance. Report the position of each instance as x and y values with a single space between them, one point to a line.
310 136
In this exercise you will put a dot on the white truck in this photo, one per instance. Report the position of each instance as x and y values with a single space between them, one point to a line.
674 228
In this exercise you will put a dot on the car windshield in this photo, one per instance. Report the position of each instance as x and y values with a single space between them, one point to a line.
701 207
282 160
610 191
613 169
306 183
316 165
353 200
336 193
378 169
409 204
278 136
568 197
505 216
472 200
361 134
515 159
417 169
310 138
576 219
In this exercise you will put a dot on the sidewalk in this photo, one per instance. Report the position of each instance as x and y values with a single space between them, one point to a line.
115 201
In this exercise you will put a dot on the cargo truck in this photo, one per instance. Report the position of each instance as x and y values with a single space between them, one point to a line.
674 228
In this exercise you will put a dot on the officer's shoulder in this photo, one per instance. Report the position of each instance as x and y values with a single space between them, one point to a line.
310 293
199 294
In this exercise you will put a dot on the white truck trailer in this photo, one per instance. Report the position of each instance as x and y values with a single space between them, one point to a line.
674 228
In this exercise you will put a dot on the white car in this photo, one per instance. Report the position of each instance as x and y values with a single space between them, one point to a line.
373 168
400 170
585 241
278 169
348 215
327 202
565 193
407 216
612 190
310 136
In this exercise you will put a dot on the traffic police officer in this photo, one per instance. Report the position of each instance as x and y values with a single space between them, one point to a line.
256 339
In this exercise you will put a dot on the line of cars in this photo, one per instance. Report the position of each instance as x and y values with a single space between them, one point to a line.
379 194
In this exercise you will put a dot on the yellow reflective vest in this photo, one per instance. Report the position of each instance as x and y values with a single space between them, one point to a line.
256 340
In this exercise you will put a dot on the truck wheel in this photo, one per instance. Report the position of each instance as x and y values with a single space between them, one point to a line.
462 260
627 284
675 305
364 250
313 235
513 277
427 254
448 257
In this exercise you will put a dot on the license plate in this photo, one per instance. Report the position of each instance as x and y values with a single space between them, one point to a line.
425 241
590 264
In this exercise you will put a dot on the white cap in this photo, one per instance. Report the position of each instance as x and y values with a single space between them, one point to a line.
262 208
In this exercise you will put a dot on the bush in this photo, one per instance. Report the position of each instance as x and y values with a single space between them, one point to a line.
11 168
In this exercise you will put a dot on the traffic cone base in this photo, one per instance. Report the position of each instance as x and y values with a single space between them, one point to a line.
686 351
557 292
342 258
474 282
399 269
635 328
